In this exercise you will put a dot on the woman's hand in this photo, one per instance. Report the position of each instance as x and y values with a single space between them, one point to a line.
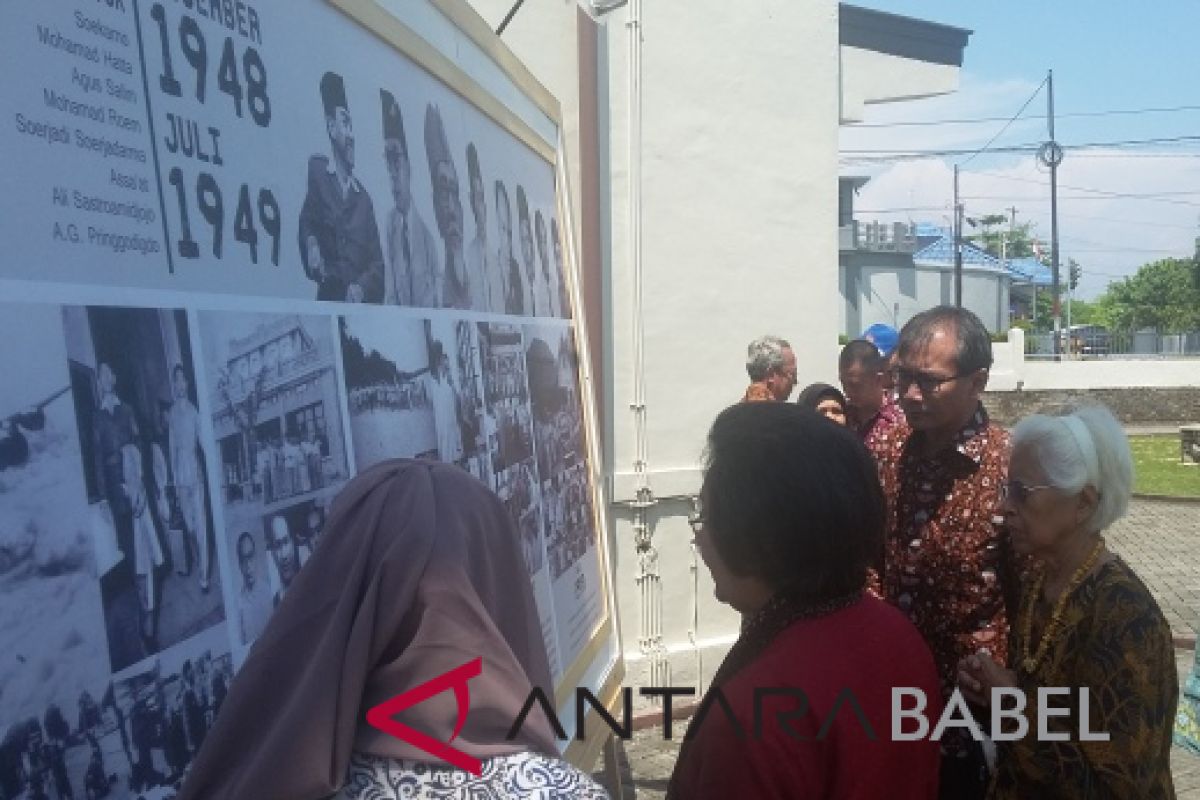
979 674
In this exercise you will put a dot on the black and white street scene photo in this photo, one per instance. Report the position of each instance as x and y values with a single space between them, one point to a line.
455 389
145 464
561 447
52 639
277 421
387 366
162 715
509 427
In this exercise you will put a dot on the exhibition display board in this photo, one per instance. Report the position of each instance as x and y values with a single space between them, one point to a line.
252 248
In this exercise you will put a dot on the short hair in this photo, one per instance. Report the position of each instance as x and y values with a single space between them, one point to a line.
764 355
792 499
245 537
473 164
974 341
860 351
177 369
1082 445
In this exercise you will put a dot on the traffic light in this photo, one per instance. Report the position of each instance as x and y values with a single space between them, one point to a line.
1074 273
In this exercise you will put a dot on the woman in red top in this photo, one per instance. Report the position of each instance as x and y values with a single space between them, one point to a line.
792 513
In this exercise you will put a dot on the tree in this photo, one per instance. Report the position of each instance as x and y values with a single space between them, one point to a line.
1015 242
1162 295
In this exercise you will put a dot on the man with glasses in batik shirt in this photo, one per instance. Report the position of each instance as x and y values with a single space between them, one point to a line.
945 559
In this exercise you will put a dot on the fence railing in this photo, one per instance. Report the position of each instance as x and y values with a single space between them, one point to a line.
1144 344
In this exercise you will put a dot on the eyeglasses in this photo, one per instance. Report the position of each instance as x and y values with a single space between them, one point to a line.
1018 491
928 384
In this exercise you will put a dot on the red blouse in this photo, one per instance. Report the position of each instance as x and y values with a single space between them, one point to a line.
867 648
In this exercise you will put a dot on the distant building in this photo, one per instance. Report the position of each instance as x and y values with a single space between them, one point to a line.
279 383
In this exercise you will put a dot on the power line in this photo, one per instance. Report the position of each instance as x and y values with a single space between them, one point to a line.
1000 133
1106 196
1101 194
1130 222
976 120
1029 147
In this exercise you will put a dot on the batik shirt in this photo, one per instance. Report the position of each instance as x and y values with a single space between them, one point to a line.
944 553
757 393
878 432
1115 641
522 776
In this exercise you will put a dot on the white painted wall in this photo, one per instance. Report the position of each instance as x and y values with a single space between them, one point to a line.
895 294
1011 368
740 115
870 77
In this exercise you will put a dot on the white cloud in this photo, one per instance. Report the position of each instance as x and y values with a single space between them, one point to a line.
1110 237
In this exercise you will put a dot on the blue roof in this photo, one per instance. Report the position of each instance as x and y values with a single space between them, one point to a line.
1030 270
941 253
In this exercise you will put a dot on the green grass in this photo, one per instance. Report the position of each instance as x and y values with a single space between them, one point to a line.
1158 469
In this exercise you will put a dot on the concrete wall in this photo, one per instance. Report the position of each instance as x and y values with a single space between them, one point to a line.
1149 406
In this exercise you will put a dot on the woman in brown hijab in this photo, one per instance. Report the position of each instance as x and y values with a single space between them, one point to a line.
419 572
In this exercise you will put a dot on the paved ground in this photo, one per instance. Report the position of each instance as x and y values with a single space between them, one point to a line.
1160 540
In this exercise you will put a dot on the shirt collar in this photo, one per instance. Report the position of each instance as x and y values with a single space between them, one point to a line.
971 440
348 185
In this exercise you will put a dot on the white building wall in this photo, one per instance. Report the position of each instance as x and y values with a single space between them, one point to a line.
739 201
894 295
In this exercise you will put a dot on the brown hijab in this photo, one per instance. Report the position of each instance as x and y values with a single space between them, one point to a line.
419 571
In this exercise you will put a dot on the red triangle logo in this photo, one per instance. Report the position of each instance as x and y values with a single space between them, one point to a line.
382 716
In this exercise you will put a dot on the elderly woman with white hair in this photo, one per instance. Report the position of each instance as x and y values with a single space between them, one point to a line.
1085 621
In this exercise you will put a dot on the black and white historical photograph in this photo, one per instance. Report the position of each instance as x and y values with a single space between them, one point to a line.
456 391
339 238
386 362
415 388
560 275
52 633
270 556
277 420
146 463
506 395
561 445
161 715
413 269
510 433
276 406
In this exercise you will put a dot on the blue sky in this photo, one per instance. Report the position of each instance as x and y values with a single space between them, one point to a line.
1105 56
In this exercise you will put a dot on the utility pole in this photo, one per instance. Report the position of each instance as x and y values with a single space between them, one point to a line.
958 220
1053 157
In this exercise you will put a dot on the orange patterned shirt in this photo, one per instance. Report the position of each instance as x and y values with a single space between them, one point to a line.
757 393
